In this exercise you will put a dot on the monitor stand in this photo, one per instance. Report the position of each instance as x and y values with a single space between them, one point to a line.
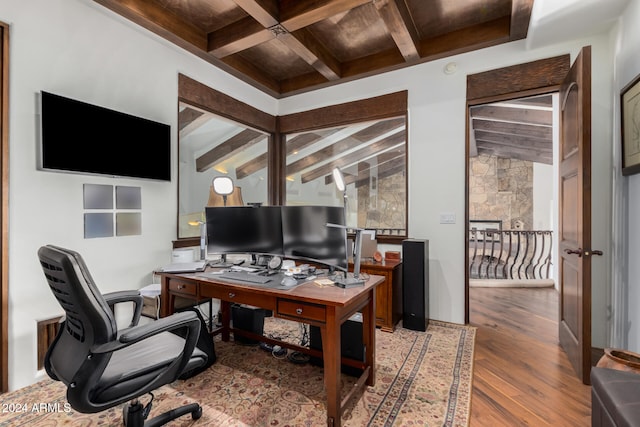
348 281
222 263
352 279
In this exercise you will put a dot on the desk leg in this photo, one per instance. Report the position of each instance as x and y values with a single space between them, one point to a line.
330 334
369 336
225 310
166 305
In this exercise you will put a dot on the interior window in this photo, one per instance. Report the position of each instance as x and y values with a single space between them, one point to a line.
212 146
372 158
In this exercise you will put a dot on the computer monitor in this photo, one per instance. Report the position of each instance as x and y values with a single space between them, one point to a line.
305 234
244 229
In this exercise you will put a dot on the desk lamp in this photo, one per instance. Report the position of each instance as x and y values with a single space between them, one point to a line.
346 281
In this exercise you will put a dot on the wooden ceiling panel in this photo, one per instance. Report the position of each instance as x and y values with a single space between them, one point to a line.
276 60
358 33
445 16
286 47
206 15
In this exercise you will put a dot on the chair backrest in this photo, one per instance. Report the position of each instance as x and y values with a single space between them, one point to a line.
88 320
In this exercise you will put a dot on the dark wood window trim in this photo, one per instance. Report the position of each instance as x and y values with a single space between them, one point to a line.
216 102
4 214
370 109
532 78
376 108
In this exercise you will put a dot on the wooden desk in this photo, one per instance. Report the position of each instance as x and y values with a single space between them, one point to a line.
325 307
388 294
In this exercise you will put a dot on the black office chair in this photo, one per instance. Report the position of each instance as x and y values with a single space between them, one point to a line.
103 367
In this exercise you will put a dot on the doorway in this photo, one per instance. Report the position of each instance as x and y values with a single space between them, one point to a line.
4 210
573 82
512 208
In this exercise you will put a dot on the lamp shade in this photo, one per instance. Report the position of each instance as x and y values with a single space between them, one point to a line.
233 199
338 178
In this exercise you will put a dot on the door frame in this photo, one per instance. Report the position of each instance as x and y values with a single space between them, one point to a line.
502 84
4 210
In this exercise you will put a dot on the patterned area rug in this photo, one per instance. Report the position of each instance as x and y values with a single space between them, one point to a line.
422 379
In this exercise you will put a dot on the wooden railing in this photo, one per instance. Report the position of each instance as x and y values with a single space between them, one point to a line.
510 254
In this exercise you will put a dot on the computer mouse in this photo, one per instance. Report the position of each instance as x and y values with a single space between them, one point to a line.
289 281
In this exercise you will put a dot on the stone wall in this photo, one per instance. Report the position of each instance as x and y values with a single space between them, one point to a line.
382 204
501 189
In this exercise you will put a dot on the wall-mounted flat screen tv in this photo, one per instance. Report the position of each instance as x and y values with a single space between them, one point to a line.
84 138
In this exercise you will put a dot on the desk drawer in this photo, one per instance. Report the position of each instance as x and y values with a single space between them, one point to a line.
184 288
236 296
302 311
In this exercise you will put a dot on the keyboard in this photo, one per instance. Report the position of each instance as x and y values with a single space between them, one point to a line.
243 276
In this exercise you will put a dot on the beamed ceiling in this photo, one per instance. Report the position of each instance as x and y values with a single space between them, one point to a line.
516 129
285 47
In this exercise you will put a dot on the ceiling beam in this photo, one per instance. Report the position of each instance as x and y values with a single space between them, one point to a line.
296 14
264 11
540 132
303 44
344 144
353 157
527 154
398 20
237 36
226 149
190 120
520 16
293 145
387 164
466 39
155 18
517 115
263 25
514 140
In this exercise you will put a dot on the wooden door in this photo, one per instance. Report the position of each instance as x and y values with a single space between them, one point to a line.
575 215
4 206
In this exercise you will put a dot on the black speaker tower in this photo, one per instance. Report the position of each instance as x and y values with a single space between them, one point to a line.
415 284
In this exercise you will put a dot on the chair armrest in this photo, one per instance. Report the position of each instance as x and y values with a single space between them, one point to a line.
187 319
113 298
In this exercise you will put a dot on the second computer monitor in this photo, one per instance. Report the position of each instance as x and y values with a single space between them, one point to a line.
305 234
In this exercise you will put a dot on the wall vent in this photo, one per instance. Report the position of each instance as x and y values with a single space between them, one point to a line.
47 331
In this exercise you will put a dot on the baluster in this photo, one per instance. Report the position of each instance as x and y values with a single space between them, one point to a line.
531 237
517 255
501 248
506 261
548 262
474 233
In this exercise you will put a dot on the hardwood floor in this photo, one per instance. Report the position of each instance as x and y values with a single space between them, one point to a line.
521 376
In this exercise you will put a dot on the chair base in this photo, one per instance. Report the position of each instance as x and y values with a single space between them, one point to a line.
134 414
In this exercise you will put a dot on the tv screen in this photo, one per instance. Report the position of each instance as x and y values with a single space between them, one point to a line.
244 229
307 236
84 138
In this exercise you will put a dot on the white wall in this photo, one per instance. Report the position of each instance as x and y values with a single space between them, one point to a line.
543 203
626 239
437 152
78 49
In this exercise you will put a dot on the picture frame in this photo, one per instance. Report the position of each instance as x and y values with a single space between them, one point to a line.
630 121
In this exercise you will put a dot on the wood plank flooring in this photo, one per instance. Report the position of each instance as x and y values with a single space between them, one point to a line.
521 375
